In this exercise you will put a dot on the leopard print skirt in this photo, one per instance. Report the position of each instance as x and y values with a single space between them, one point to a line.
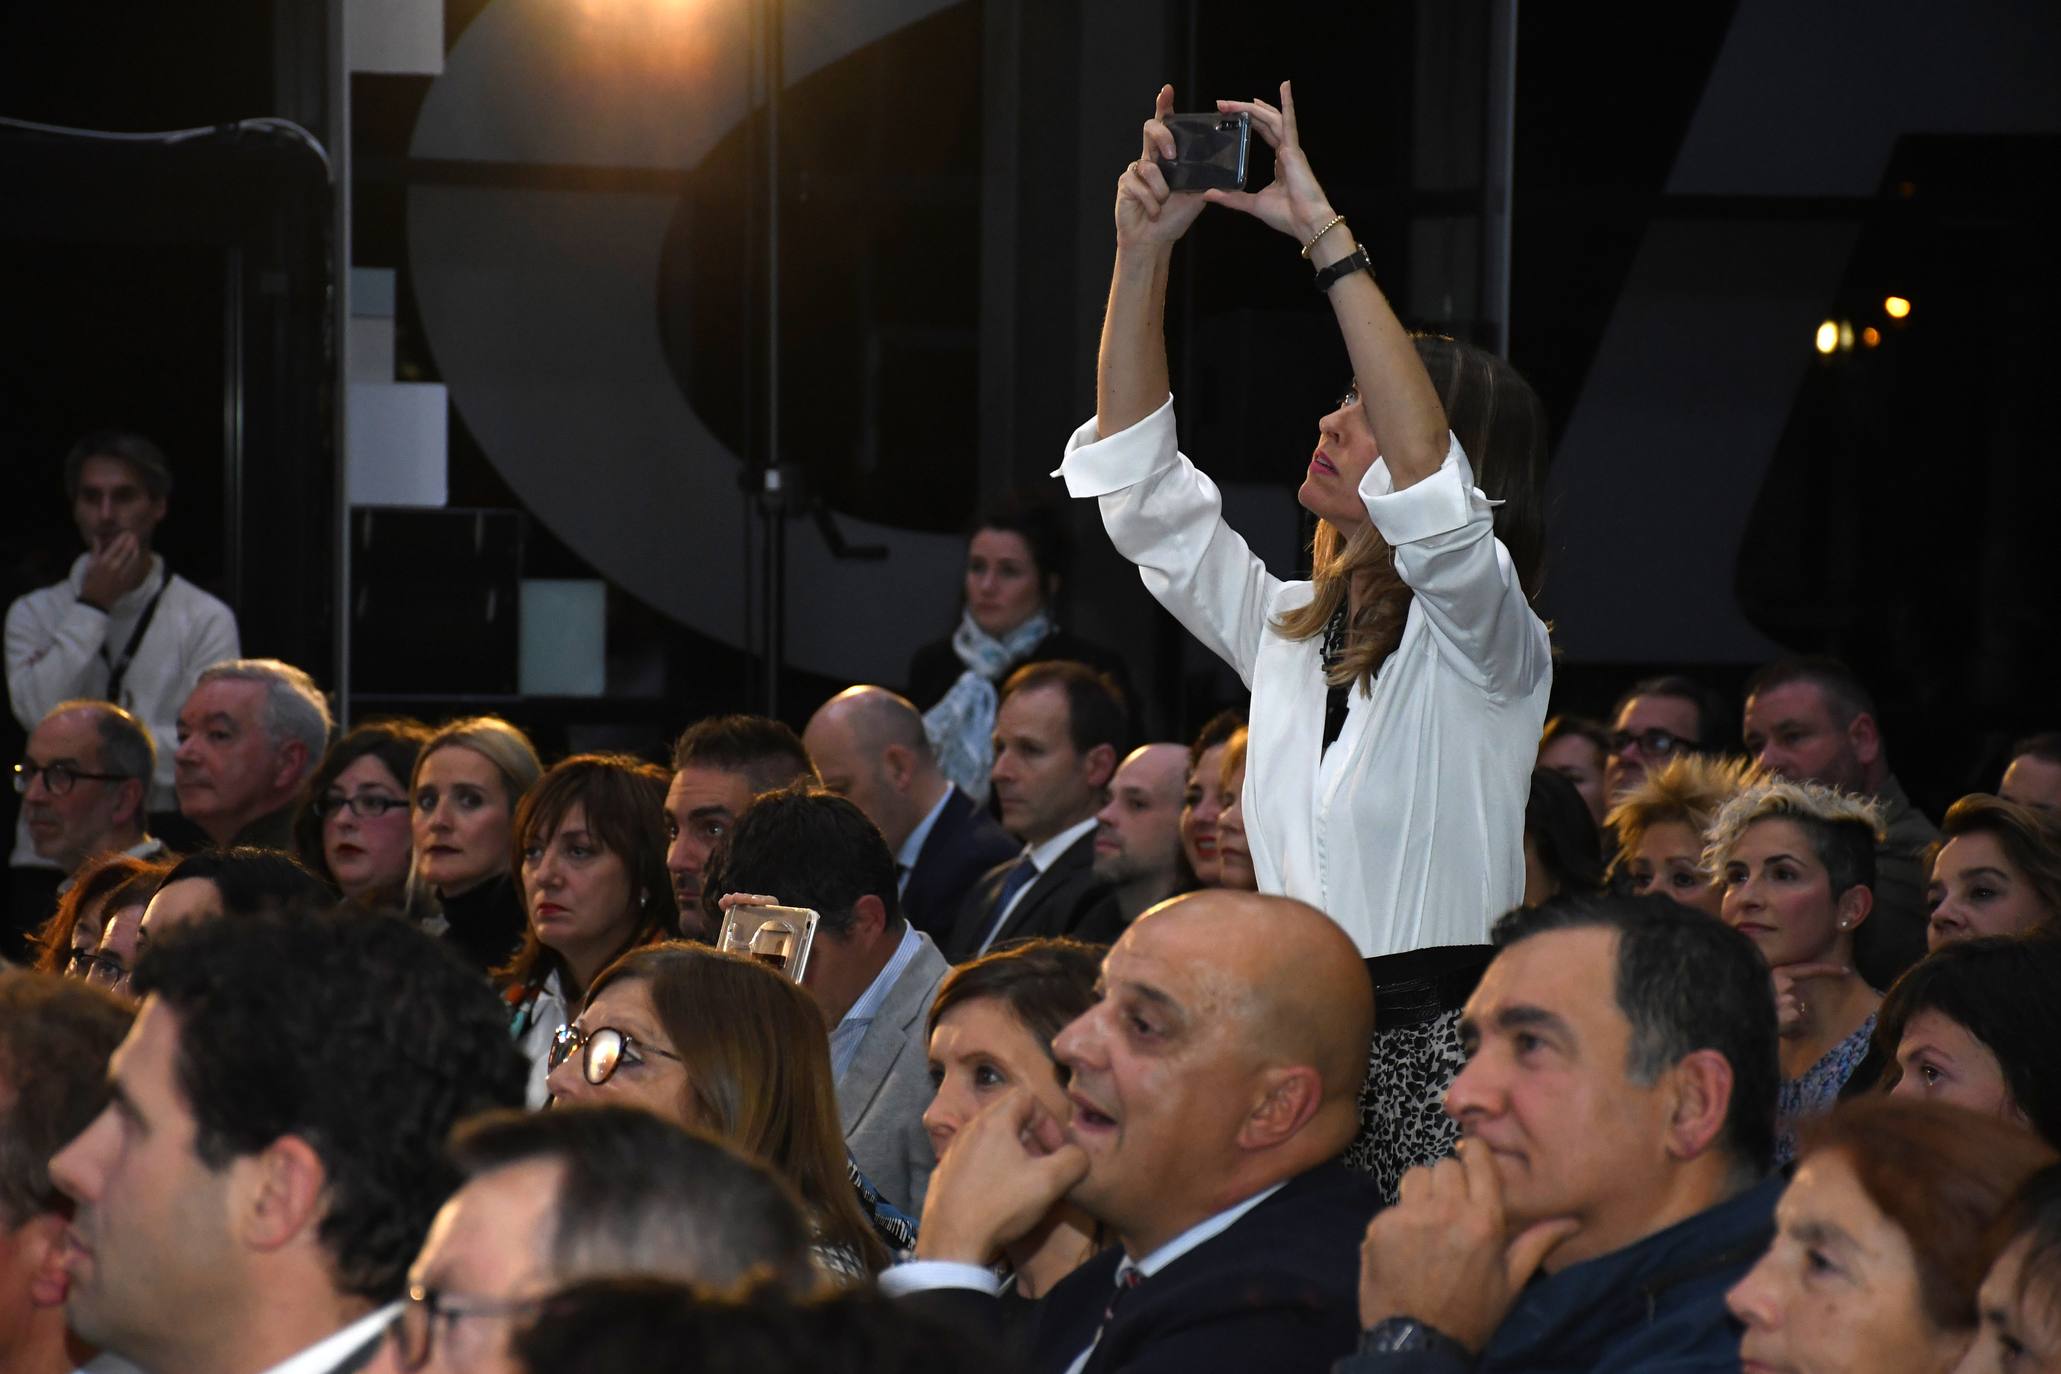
1415 1057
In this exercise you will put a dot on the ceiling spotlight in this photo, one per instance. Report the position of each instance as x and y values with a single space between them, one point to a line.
1896 307
1828 337
1871 336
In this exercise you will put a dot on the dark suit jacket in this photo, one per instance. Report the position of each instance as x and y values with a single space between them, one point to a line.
1279 1290
1066 899
965 843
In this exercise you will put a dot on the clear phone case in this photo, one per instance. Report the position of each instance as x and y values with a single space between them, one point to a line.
777 935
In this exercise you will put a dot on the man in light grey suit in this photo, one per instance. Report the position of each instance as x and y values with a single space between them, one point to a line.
872 973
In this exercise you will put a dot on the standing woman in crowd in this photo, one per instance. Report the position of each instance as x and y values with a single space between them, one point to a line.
1201 807
590 839
1797 860
1015 567
1882 1239
723 1044
468 780
1397 697
2020 1299
1996 871
1978 1023
991 1029
1661 827
354 827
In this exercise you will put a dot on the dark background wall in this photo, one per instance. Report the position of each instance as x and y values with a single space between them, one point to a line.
1681 224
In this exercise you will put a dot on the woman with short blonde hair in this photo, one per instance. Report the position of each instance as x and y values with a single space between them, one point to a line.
1661 823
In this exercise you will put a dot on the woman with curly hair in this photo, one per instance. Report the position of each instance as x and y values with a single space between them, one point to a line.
1661 823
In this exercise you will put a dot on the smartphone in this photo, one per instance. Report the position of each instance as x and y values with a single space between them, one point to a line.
777 935
1209 150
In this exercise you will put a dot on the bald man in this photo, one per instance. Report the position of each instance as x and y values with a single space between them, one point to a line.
1212 1089
868 744
1138 834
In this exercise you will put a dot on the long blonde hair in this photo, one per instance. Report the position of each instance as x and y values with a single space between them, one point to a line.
1501 427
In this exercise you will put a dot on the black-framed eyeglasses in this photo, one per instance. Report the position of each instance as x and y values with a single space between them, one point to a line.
57 777
413 1329
1655 743
365 805
606 1050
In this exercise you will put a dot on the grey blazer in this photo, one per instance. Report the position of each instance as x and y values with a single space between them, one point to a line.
883 1094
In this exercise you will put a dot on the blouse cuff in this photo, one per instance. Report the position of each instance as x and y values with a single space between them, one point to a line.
1439 504
1095 466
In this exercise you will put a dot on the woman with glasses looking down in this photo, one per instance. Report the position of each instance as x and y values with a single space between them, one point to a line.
723 1044
353 827
1398 694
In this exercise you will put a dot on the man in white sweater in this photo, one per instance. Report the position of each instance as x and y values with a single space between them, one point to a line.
122 627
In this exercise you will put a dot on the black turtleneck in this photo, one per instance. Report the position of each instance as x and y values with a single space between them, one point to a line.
487 922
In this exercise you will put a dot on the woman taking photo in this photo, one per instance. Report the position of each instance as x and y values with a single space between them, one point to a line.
1397 696
723 1044
467 781
1882 1239
991 1028
1015 567
591 843
353 829
1797 860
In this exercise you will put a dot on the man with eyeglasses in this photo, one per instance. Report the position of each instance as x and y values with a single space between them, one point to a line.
84 781
122 627
1658 719
272 1151
580 1192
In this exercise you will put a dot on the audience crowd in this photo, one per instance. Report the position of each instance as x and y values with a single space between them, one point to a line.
1401 1029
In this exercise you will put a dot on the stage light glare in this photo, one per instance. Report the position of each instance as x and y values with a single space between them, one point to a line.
1828 337
1845 336
1896 307
1871 336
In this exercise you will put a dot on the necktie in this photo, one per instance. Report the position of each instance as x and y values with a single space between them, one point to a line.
1128 1277
1013 882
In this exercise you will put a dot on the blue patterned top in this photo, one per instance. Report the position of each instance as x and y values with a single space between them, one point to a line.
1818 1089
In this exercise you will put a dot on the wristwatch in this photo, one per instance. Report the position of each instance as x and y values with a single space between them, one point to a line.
1355 261
1408 1336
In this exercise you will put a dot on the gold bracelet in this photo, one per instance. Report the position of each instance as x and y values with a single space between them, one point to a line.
1335 221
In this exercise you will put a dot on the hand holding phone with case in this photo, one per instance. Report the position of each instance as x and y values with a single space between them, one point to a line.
1210 151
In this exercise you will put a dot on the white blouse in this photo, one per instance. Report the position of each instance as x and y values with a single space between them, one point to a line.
1409 830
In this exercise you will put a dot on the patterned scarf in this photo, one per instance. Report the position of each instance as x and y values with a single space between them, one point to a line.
962 725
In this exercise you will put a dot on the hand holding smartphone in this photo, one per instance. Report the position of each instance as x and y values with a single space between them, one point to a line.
1209 151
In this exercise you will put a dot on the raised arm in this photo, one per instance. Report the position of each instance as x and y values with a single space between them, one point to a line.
1401 406
1130 371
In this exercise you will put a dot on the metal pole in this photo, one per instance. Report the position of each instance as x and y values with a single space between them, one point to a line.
772 500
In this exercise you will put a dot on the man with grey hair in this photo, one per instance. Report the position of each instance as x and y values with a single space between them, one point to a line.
869 745
250 733
580 1192
84 780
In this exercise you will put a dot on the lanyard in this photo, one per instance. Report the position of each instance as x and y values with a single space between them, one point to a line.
118 668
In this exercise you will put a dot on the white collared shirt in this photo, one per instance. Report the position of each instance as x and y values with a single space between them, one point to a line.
844 1040
919 1276
1042 857
912 847
326 1354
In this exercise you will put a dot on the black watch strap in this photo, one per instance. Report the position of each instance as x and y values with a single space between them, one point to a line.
1355 261
1408 1336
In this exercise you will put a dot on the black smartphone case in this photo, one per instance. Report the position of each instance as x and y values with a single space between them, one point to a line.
1209 150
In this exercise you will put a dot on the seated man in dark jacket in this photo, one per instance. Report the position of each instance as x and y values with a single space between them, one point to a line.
1212 1089
1617 1110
